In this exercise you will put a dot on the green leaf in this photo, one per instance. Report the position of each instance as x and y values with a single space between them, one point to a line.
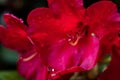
10 75
8 56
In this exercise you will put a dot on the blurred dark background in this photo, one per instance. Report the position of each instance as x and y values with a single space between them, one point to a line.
21 9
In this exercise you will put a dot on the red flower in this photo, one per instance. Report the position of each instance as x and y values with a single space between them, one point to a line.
110 43
60 39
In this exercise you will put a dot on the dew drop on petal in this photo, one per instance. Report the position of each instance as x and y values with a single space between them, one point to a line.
51 69
69 39
53 74
93 34
21 20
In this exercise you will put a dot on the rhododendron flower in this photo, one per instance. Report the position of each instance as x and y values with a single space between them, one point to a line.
63 38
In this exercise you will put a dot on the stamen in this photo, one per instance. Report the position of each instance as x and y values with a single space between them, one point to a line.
73 43
30 40
75 35
30 57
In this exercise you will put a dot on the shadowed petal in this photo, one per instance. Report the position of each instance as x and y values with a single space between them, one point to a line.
113 46
108 39
112 72
2 32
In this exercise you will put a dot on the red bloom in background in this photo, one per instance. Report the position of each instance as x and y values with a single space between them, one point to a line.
63 38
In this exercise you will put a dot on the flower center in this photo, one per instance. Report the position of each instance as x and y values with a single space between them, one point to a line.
73 39
74 36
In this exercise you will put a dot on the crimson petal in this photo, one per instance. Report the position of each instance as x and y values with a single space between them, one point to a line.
43 19
32 68
14 22
68 6
74 58
15 36
101 14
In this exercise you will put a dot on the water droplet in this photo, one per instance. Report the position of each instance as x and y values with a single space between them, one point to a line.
69 39
93 34
21 20
51 69
53 74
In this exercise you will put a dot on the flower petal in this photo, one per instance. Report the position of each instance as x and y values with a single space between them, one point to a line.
15 36
108 38
14 22
74 58
63 56
32 69
68 6
90 52
101 11
44 20
101 15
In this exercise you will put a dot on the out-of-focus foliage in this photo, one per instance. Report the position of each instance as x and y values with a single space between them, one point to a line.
9 56
10 75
